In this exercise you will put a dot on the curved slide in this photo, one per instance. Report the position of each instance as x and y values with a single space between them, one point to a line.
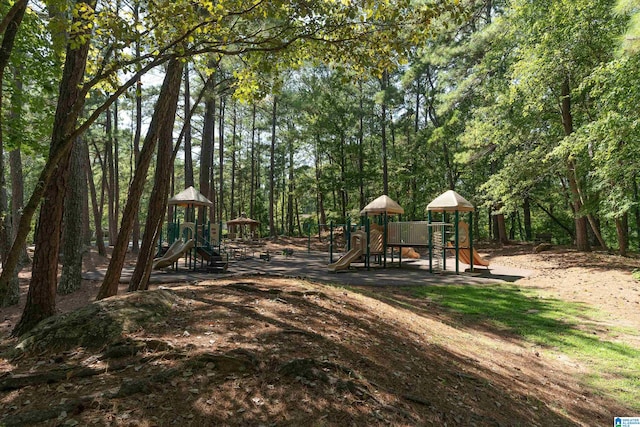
174 253
463 253
345 261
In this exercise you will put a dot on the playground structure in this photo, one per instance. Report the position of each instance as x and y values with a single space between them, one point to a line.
438 237
197 243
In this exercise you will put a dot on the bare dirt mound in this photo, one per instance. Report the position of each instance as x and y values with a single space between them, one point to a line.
262 351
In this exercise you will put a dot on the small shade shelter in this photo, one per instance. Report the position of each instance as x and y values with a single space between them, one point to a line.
190 197
452 202
242 227
383 206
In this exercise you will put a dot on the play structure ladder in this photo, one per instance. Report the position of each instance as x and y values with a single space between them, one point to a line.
215 262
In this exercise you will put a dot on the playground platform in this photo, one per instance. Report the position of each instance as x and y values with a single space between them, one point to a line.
313 266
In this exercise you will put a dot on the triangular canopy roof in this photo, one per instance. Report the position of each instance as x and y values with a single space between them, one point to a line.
450 201
383 204
190 196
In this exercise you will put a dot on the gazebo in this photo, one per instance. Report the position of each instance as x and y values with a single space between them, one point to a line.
242 227
452 202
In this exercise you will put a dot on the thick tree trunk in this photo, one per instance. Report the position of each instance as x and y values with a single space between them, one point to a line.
116 167
581 235
290 205
363 201
9 289
135 237
502 229
72 246
253 185
42 288
526 207
221 158
109 173
159 194
17 197
384 83
188 158
206 149
234 140
636 211
343 179
272 170
167 97
15 163
622 231
322 215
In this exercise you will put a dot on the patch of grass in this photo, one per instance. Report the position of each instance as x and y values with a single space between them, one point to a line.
636 274
560 326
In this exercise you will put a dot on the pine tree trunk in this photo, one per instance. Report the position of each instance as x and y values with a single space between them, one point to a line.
159 195
15 163
17 197
363 202
135 237
206 152
253 185
343 179
290 213
272 170
188 158
526 207
72 246
582 237
97 212
502 229
109 173
234 159
622 231
322 215
42 288
9 288
383 133
636 211
116 168
168 96
221 158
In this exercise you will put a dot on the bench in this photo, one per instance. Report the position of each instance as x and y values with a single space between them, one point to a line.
542 238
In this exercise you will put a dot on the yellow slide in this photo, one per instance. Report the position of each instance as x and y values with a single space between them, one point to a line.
345 261
175 252
463 254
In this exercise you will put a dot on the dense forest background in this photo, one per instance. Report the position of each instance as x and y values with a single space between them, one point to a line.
298 113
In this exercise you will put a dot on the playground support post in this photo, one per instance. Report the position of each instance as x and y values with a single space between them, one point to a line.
384 240
367 226
430 234
457 234
470 237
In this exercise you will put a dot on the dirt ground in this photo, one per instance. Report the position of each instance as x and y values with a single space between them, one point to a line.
272 351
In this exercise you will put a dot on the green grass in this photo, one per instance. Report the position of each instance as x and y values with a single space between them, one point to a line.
556 325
